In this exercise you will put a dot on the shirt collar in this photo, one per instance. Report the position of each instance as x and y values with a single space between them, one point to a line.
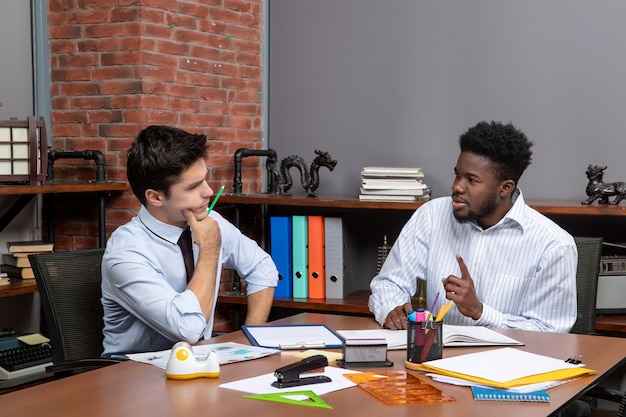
516 213
158 228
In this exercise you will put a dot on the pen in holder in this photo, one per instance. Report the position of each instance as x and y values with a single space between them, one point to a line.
424 342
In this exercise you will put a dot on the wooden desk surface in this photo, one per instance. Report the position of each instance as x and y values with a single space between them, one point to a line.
132 388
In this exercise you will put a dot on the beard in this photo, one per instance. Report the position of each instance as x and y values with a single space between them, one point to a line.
486 208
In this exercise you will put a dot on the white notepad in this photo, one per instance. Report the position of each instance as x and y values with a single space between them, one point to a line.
475 336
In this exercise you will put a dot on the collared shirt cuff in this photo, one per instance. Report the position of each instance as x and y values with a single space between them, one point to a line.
490 317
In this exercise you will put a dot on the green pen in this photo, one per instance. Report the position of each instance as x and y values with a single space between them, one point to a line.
219 193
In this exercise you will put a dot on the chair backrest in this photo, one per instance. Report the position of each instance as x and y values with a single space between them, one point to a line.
589 252
69 285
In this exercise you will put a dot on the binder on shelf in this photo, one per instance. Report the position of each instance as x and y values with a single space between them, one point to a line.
317 277
339 279
299 243
280 250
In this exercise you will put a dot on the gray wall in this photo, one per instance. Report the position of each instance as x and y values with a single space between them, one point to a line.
16 67
396 82
16 93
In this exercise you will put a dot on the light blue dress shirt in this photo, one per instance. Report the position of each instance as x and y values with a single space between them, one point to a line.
524 267
146 304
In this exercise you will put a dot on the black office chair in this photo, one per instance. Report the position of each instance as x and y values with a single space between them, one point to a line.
589 252
69 285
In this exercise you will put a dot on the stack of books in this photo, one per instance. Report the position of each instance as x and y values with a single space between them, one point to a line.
393 184
16 263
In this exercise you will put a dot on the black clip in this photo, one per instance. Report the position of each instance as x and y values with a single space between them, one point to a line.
289 375
429 324
575 360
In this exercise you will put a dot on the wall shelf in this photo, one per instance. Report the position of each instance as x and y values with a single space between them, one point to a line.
356 303
27 192
57 187
553 207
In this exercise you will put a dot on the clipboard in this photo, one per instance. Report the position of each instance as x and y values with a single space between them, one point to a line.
293 336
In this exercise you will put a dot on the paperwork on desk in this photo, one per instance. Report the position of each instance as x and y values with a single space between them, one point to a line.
263 384
522 389
228 352
505 368
453 336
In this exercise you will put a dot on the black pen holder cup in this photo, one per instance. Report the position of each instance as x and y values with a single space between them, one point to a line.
424 342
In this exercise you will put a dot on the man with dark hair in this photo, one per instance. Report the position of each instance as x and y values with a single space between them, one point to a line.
152 297
502 263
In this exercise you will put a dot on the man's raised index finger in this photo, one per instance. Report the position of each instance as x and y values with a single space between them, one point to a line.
464 271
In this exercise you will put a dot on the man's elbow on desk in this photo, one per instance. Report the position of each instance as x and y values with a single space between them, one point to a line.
192 336
189 329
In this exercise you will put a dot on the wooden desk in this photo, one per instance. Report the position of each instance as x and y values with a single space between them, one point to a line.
132 388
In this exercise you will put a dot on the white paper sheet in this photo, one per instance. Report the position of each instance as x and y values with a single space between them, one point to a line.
228 352
501 365
263 384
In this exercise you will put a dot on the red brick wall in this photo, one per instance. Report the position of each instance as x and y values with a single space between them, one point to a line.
120 65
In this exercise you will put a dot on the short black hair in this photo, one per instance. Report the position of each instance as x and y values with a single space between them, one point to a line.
504 145
158 157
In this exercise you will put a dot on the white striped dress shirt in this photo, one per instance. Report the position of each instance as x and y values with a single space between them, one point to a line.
524 267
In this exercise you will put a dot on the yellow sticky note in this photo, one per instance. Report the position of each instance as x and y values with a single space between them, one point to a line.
331 356
33 339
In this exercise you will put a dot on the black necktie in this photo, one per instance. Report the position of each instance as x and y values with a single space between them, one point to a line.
184 241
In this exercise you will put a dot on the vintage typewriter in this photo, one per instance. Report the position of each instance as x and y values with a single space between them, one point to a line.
21 362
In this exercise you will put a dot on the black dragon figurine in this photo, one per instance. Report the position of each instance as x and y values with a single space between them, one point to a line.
601 191
309 177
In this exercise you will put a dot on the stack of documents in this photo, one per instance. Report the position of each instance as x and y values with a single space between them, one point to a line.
393 184
505 368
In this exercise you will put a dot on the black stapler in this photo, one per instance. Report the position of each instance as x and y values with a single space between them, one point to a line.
289 375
